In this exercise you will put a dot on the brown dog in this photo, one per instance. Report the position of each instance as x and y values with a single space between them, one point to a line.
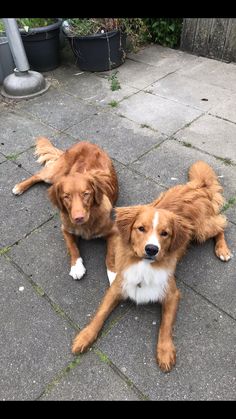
85 188
150 240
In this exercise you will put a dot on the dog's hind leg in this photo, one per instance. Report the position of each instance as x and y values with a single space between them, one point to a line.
214 228
42 176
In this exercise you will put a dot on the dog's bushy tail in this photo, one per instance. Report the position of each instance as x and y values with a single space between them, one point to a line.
46 151
204 176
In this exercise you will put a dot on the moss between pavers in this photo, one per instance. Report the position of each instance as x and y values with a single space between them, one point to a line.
13 156
61 375
4 250
226 161
230 203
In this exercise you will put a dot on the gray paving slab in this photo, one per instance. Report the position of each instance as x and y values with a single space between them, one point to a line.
34 339
226 108
168 58
138 75
19 131
231 213
135 189
92 379
58 109
168 164
209 276
211 134
205 342
91 88
213 72
124 140
190 92
43 256
161 114
21 214
2 158
28 161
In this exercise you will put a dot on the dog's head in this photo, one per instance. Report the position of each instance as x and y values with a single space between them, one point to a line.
151 233
76 194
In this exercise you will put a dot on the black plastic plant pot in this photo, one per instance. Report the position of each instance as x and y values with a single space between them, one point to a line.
42 46
99 52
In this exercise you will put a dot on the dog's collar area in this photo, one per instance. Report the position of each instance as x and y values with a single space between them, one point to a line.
113 214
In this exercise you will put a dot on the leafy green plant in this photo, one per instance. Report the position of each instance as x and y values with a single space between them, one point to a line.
113 103
29 23
115 84
2 27
165 31
135 28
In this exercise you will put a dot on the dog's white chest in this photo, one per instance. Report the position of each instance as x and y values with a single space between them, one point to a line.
143 283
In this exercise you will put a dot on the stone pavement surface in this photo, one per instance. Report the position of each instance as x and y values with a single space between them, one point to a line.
172 109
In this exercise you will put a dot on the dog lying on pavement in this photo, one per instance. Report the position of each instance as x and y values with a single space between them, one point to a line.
149 241
84 189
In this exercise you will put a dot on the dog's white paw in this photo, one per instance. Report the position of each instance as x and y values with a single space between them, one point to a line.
78 270
225 258
111 276
16 190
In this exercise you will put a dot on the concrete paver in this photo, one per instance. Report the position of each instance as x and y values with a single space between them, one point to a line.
91 380
169 163
204 338
202 132
208 275
188 91
122 139
58 109
161 114
20 215
34 339
19 131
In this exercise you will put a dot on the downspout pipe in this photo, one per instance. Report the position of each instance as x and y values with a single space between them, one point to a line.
23 83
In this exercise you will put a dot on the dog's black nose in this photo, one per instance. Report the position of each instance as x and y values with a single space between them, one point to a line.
151 249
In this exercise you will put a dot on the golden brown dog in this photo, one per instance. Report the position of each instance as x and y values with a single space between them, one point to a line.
85 188
150 241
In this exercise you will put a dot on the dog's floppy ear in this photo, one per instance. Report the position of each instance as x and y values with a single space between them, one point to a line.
181 233
125 217
101 184
54 194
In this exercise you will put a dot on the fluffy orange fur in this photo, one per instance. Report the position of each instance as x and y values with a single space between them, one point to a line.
84 188
164 227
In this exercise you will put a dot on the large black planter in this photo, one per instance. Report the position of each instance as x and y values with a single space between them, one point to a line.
42 46
7 64
99 52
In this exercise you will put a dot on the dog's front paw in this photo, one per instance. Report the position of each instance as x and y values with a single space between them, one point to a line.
16 190
78 270
223 253
83 340
166 357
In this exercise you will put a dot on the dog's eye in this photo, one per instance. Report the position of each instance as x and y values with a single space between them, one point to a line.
141 228
164 233
67 196
86 194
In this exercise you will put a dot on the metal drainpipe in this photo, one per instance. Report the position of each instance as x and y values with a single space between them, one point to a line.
23 83
16 45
